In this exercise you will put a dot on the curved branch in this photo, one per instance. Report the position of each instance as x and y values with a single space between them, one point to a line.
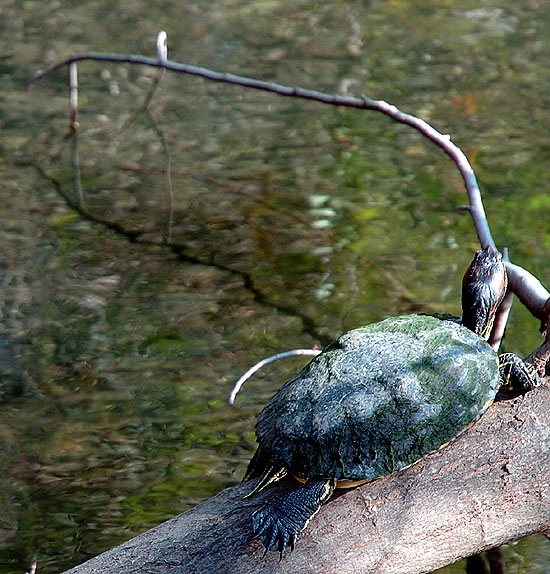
530 291
528 288
260 364
443 141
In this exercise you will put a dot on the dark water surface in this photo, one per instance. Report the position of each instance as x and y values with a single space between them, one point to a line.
288 222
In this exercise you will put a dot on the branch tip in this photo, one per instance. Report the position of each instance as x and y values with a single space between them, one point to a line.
162 46
293 353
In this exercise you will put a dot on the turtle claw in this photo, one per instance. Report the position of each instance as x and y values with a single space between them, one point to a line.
273 529
279 523
516 375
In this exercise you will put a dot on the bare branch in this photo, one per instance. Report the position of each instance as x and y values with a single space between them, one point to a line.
488 487
528 288
530 291
443 141
501 320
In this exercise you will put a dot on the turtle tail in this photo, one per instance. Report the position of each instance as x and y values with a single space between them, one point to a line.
257 465
278 524
268 471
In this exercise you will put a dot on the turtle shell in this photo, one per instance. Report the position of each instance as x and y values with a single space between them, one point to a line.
379 398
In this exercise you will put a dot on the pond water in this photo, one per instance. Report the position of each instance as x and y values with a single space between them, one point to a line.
219 225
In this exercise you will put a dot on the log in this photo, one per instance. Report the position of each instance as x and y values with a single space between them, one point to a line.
489 487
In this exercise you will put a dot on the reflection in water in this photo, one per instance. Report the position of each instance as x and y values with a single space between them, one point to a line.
291 223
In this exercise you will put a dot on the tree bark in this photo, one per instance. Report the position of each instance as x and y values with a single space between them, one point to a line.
487 488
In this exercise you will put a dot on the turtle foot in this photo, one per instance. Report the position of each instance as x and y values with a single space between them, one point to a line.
516 375
275 530
279 523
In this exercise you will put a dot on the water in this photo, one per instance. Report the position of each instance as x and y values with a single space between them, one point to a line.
291 222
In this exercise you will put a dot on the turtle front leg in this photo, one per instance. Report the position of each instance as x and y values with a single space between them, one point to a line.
278 524
516 375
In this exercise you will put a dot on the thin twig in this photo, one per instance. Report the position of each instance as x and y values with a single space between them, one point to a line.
73 96
32 567
263 363
73 132
162 54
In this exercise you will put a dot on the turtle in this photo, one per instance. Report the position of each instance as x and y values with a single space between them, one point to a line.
378 399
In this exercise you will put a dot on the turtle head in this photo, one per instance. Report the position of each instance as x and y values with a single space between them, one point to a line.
483 288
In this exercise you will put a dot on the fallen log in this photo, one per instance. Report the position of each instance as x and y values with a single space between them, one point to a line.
489 487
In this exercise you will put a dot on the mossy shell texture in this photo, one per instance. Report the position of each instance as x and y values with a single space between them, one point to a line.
379 398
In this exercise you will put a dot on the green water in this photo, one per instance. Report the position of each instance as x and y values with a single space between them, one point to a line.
290 222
